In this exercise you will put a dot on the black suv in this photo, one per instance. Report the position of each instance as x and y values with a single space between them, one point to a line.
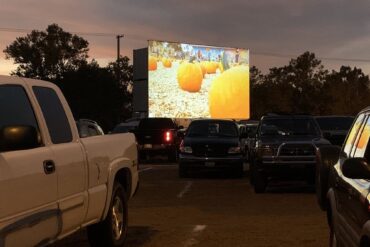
211 145
157 136
285 149
343 185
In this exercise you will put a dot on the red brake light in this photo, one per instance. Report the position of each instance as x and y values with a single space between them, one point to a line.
168 136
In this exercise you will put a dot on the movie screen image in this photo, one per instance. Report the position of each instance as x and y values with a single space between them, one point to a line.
197 81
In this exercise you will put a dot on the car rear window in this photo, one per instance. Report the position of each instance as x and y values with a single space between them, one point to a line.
212 128
156 123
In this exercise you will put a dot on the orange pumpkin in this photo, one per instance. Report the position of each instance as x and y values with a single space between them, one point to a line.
152 63
190 77
203 67
229 94
167 63
210 67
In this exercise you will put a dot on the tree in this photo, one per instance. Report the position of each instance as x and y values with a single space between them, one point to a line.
47 55
94 93
123 74
347 91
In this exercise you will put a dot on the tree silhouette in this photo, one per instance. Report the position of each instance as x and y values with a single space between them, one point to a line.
47 55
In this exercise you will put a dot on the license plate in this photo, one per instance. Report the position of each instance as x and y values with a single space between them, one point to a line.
148 146
209 164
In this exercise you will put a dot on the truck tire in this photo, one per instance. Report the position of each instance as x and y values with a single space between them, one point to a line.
172 156
112 231
183 172
238 171
326 157
259 182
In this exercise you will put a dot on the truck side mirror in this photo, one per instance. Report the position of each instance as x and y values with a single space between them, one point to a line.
356 168
18 137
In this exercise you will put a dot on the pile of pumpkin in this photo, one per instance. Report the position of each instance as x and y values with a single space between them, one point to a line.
229 91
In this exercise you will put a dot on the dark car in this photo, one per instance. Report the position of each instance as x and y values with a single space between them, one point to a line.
335 128
285 149
157 136
211 145
343 185
87 127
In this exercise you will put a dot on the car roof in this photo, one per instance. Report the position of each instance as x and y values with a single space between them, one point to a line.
287 117
334 116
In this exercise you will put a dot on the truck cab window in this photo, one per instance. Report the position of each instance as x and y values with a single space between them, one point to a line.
352 135
54 114
15 110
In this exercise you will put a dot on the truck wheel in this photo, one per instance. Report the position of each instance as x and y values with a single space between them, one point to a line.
251 173
183 172
172 156
259 182
113 230
326 157
238 171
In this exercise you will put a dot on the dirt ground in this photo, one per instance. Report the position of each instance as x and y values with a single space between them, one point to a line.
213 209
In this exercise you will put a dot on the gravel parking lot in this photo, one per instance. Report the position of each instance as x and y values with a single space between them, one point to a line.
214 209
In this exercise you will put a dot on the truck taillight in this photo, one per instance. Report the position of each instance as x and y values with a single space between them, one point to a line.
168 136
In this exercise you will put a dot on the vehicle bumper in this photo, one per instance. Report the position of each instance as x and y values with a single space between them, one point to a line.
288 167
156 148
190 161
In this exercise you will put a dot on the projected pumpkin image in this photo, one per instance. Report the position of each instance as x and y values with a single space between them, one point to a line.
193 81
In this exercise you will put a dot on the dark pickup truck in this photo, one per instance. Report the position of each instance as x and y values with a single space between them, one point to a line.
157 136
285 149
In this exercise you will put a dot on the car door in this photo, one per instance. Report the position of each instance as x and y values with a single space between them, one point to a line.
29 212
69 157
358 189
343 188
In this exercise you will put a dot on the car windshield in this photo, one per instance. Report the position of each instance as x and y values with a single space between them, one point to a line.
288 126
335 123
212 129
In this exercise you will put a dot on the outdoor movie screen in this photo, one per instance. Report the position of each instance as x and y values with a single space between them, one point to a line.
197 81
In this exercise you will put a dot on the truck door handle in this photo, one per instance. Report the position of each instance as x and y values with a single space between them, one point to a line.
49 166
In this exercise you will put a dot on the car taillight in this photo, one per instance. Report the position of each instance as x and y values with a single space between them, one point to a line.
168 136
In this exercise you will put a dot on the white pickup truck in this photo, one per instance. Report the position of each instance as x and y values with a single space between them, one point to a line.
53 183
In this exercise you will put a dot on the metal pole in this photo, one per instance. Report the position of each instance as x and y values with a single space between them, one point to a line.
118 45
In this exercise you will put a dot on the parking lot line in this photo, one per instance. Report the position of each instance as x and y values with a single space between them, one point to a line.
185 190
145 169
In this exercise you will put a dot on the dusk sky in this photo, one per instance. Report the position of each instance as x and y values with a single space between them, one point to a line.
330 28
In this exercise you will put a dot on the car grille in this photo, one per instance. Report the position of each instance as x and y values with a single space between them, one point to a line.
297 150
210 150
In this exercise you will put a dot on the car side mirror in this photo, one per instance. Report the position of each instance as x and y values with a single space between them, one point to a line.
356 168
18 137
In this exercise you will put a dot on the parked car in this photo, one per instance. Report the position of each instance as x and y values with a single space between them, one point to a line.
343 185
158 136
53 182
285 149
211 145
335 128
87 127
